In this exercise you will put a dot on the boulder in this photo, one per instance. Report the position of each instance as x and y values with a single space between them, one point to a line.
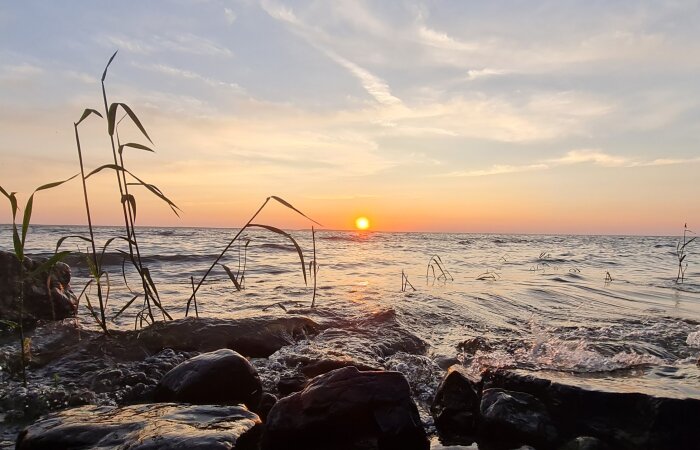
47 296
608 408
152 427
585 443
222 377
456 405
255 337
347 409
516 418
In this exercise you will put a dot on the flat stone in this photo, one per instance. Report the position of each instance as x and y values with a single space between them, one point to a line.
140 427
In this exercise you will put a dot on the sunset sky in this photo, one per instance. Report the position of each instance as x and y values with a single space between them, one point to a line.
519 116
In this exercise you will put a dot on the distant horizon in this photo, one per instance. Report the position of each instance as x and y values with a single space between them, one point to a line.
318 230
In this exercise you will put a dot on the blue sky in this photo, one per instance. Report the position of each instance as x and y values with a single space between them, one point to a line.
564 116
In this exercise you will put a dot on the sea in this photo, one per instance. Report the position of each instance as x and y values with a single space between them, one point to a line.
608 306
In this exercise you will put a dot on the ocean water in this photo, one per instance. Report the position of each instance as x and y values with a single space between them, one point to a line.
520 301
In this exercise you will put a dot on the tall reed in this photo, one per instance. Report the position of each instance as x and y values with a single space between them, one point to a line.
681 253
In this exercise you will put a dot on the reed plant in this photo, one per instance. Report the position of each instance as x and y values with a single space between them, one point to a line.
405 283
681 253
19 239
248 225
441 274
125 179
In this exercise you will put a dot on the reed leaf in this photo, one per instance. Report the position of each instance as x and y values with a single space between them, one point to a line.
232 276
132 202
289 205
54 184
136 146
46 265
72 236
112 119
85 115
27 218
288 236
126 306
104 74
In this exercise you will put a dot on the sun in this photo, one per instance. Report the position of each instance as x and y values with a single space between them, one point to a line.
362 223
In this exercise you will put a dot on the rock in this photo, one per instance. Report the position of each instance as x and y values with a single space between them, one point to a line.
291 384
347 409
472 345
154 426
267 401
516 417
255 337
605 408
46 296
445 362
456 405
222 377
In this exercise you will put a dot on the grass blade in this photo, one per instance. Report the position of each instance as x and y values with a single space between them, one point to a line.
132 202
27 218
85 115
112 119
136 146
288 236
104 74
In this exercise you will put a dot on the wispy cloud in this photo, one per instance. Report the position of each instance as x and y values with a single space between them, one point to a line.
595 157
189 75
230 16
182 43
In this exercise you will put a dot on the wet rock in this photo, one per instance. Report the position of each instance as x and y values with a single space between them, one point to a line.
472 345
155 426
314 368
256 337
445 362
456 405
47 296
347 409
291 384
516 417
267 401
604 408
585 443
220 377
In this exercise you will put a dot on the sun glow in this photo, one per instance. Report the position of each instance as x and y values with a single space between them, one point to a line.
362 223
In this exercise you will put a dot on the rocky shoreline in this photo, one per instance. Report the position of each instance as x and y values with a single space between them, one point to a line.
291 382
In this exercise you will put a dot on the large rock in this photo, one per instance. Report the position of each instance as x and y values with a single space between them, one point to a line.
255 337
609 409
222 377
516 418
140 427
47 296
347 409
456 405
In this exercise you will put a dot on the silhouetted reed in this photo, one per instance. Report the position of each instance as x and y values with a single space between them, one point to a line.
404 282
681 253
444 274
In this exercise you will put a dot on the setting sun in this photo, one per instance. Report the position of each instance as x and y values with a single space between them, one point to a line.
362 223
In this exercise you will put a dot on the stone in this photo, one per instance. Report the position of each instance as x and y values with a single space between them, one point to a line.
455 407
607 409
516 417
47 296
291 384
140 427
255 337
347 409
222 377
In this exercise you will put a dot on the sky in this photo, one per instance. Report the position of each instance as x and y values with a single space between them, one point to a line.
578 117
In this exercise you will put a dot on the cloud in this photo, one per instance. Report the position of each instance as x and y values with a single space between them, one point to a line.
180 43
230 16
475 74
189 75
590 156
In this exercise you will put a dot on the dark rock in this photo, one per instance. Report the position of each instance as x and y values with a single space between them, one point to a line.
255 337
347 409
291 384
585 443
456 405
445 362
47 296
516 417
155 426
221 377
472 345
604 408
325 365
267 401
